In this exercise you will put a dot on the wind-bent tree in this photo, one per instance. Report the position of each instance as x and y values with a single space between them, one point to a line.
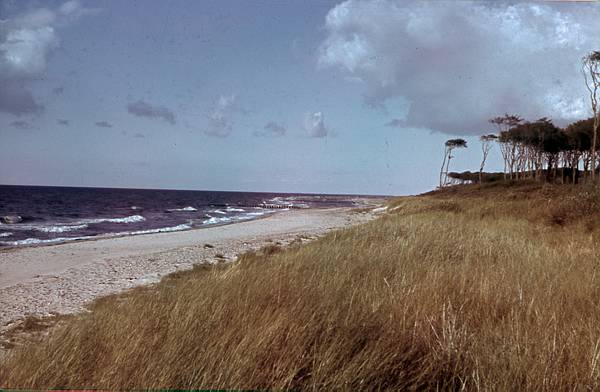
507 147
591 74
449 146
486 146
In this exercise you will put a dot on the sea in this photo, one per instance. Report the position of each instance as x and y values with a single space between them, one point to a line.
39 215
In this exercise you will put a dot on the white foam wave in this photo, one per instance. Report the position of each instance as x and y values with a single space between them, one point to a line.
219 212
37 241
256 214
232 209
49 228
127 219
214 220
59 229
6 234
188 208
160 230
288 202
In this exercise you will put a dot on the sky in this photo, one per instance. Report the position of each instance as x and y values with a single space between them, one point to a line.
282 96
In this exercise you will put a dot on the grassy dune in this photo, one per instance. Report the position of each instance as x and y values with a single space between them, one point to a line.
482 288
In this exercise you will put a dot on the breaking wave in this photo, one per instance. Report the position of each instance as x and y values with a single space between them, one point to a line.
59 229
188 208
37 241
214 220
127 219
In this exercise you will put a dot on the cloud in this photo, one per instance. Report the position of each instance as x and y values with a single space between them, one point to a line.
314 125
220 118
272 129
61 121
26 42
20 124
395 123
103 124
460 63
145 109
139 135
16 98
58 90
72 10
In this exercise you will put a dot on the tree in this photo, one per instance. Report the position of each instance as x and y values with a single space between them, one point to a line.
531 145
580 136
507 148
553 141
450 145
591 74
486 146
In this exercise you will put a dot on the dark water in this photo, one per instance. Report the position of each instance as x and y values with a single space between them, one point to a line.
44 215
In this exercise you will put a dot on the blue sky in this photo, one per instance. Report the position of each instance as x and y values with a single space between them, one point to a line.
286 96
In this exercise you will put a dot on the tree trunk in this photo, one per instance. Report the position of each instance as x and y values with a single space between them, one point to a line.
443 165
485 150
448 165
594 139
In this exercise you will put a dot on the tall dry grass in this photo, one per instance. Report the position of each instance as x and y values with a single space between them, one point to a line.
481 289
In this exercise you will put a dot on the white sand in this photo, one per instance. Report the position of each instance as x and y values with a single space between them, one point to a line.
61 279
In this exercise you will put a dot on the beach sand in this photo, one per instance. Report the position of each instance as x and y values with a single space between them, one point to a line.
62 279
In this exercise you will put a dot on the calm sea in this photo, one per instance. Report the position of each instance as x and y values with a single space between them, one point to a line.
32 215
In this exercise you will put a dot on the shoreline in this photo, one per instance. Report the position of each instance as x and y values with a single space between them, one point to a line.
108 236
361 202
61 279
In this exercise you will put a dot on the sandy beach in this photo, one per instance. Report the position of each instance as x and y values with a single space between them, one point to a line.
62 279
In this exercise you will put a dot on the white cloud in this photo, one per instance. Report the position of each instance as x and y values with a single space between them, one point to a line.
460 63
26 41
220 118
25 51
314 125
69 7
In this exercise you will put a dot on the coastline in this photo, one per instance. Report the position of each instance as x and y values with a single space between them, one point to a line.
107 236
64 278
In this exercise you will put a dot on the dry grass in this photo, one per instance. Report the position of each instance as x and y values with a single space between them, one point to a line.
29 329
475 288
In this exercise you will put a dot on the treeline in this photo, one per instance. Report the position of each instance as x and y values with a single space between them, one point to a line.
533 150
541 150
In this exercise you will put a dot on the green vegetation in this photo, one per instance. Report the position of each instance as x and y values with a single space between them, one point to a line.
477 287
539 150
